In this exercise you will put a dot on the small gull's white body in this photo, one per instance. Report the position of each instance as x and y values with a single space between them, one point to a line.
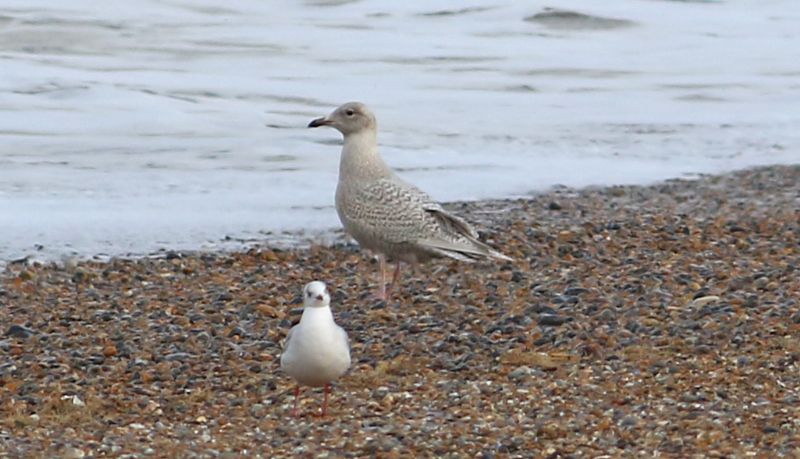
386 214
316 351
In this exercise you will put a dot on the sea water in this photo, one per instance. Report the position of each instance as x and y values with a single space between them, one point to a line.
129 127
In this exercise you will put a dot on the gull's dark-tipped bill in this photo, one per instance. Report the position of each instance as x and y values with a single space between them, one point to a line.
319 122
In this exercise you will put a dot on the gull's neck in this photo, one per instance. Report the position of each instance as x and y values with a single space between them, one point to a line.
316 315
360 157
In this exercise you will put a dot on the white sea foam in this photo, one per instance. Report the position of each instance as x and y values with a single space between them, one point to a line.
153 124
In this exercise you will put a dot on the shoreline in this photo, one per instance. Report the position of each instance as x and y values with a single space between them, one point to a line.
634 320
304 239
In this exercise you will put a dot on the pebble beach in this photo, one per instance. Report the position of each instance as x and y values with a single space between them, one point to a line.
635 321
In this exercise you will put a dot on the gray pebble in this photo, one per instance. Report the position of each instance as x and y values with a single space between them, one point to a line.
258 410
18 331
629 421
553 320
519 373
178 356
607 315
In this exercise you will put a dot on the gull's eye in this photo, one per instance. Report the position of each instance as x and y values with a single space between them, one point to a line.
309 294
349 112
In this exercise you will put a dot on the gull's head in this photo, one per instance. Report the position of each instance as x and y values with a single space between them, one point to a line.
315 295
350 118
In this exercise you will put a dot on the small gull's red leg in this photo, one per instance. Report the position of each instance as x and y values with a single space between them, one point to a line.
296 397
325 400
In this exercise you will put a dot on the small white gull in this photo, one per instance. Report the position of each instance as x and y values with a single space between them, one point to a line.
316 350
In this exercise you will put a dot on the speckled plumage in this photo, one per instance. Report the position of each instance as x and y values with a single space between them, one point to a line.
397 219
383 212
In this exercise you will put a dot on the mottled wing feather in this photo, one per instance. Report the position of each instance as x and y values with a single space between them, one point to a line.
395 212
392 210
451 223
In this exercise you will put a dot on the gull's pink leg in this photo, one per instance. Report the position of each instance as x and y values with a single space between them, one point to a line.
296 397
381 293
325 401
395 276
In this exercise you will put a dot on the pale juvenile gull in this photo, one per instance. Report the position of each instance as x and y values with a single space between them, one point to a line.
387 215
316 350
